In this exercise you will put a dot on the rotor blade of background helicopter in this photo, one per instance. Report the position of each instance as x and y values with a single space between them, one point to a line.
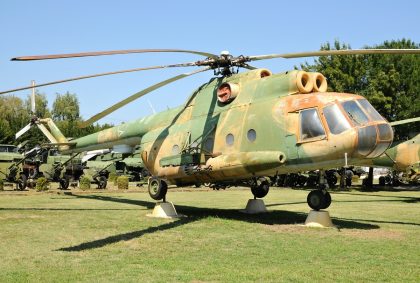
135 96
334 52
100 75
23 130
115 52
406 121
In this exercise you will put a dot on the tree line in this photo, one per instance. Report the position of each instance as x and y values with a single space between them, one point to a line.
15 113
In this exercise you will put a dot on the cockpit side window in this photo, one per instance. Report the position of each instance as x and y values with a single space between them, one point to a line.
354 112
310 125
374 115
336 120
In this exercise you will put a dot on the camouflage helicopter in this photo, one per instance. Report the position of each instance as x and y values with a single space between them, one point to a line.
239 127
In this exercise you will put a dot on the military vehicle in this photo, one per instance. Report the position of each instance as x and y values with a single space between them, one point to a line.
11 166
53 166
238 127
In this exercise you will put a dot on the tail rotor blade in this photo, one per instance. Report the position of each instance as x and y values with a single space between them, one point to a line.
33 98
23 130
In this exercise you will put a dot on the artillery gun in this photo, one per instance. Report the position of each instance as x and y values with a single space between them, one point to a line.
11 166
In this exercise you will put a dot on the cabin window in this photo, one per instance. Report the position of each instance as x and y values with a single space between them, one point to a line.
230 139
374 115
251 135
310 125
355 113
336 120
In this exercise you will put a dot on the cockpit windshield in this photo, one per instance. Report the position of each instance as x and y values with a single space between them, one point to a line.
354 112
335 119
374 115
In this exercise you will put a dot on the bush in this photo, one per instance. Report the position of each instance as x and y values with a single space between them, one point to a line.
84 183
42 184
122 182
112 177
1 185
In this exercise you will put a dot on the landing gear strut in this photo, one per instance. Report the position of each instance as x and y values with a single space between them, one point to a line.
157 188
260 187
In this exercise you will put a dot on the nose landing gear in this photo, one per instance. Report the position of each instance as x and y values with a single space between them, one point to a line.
319 199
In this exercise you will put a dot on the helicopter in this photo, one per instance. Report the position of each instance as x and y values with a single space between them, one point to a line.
239 126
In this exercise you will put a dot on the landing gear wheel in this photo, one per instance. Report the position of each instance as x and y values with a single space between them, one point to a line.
64 183
22 182
261 188
157 188
319 199
327 200
102 182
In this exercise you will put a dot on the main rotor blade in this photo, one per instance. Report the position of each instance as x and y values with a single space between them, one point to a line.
334 52
189 64
115 52
137 95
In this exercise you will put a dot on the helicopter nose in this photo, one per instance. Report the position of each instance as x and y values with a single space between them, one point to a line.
374 139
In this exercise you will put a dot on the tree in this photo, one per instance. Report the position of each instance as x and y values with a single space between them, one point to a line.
66 107
390 82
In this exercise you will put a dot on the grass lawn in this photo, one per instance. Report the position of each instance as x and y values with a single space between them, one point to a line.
106 236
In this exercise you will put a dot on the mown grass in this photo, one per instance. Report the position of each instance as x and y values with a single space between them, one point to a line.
106 236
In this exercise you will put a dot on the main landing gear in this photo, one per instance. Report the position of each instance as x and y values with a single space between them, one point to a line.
157 191
157 188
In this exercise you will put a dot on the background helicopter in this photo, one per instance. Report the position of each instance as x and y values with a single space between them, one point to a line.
241 126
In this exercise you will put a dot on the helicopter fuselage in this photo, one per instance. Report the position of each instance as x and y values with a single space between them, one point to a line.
266 126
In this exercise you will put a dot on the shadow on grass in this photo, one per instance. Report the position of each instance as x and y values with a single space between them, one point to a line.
64 209
277 217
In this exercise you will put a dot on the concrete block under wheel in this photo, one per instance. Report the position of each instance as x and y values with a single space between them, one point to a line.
319 219
164 210
255 206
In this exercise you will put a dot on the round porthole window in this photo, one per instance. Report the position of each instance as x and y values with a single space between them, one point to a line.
251 135
230 139
175 149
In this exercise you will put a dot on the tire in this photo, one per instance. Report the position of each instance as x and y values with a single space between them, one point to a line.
316 200
64 184
102 182
22 182
349 176
261 189
327 197
157 188
382 181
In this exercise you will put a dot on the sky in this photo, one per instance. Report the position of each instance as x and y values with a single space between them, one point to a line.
241 27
